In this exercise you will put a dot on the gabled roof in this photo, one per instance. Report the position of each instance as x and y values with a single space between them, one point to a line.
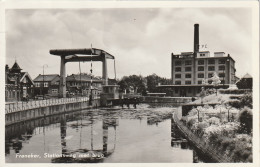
24 74
47 78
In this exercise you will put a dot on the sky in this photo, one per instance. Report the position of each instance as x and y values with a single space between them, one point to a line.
141 39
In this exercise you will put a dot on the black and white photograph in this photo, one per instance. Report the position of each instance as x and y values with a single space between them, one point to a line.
131 83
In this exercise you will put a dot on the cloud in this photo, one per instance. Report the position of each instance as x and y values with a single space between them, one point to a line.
142 40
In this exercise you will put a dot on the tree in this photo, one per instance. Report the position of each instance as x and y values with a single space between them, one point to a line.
154 80
137 82
215 81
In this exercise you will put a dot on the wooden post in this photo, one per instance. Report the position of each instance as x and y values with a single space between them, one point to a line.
104 71
62 88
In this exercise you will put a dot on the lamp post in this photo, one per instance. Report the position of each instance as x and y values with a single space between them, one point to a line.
228 69
43 79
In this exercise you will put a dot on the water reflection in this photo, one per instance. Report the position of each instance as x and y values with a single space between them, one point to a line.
85 154
143 135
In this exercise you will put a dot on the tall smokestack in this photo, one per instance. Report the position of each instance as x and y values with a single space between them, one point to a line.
196 39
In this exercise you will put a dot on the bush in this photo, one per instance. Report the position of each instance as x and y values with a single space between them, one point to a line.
235 103
234 91
245 118
246 100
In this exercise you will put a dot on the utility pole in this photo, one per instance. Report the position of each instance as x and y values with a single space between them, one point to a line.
43 79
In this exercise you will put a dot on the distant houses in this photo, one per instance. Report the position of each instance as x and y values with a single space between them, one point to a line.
18 85
77 84
81 84
47 84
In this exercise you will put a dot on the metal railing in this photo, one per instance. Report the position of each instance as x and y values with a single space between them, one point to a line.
200 142
21 106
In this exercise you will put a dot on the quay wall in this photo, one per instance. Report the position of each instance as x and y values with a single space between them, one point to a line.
174 100
204 148
48 110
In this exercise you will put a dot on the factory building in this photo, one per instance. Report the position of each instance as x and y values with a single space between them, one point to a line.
190 71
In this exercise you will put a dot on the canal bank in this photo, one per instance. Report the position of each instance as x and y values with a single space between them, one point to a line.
204 148
23 111
32 110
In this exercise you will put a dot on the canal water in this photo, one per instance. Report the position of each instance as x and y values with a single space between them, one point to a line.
146 134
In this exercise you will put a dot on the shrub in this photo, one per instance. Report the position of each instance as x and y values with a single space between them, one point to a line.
245 119
246 100
235 103
234 91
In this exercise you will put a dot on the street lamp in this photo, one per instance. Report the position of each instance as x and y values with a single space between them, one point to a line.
43 79
228 64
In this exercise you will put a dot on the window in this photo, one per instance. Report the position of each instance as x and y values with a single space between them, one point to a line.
187 68
202 55
54 91
200 75
188 62
211 68
37 84
222 82
177 63
200 68
221 68
211 61
210 75
45 84
187 75
177 82
199 82
221 61
221 74
201 62
177 75
187 82
178 69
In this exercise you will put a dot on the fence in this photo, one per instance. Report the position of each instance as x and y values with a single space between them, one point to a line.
200 143
21 106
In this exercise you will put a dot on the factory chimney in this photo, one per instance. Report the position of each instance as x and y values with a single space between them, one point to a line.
196 39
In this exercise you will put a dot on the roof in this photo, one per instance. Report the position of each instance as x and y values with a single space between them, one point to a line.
24 74
16 66
82 77
47 78
247 76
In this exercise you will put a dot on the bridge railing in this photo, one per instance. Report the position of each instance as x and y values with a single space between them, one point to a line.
200 142
21 106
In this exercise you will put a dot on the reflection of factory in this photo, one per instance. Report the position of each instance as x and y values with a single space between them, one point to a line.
86 154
